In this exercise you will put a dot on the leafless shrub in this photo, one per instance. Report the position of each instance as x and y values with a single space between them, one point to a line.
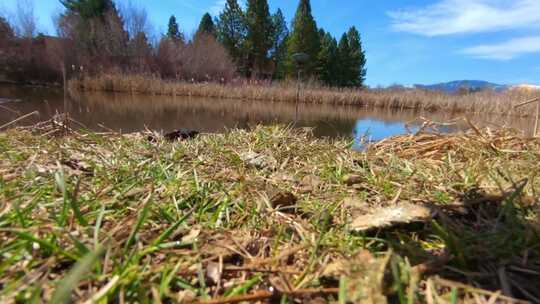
26 19
168 58
205 59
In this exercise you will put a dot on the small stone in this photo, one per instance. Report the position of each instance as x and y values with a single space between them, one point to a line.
352 179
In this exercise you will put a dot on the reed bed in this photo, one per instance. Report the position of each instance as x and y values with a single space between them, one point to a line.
266 215
487 102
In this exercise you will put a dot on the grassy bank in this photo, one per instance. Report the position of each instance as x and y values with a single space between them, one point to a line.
267 214
481 102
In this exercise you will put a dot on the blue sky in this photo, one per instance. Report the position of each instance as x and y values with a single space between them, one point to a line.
406 41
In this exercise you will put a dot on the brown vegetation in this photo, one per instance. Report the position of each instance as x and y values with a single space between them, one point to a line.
203 59
118 40
28 60
485 102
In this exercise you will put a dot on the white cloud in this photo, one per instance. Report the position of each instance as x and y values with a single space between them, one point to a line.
506 50
467 16
216 8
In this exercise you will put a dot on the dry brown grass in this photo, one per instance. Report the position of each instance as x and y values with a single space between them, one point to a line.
486 102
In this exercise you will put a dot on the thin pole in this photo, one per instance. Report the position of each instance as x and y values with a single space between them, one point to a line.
298 95
66 110
537 116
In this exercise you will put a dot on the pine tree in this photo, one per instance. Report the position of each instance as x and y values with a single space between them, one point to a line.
344 62
97 29
231 32
304 38
279 47
357 57
259 33
88 9
206 26
173 32
328 60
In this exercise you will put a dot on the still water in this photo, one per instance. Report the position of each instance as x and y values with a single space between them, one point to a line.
130 113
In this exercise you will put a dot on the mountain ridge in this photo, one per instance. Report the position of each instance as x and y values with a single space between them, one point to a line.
457 85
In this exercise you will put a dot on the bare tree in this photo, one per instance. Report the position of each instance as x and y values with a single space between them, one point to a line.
135 19
26 22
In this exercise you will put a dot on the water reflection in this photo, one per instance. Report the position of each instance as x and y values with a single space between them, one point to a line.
129 113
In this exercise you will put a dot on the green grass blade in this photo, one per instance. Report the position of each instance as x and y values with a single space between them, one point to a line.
244 288
140 222
342 290
63 293
97 227
45 244
172 228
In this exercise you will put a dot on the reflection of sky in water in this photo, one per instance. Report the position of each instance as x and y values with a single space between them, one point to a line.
375 130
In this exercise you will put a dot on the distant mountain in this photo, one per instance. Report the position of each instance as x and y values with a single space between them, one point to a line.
455 86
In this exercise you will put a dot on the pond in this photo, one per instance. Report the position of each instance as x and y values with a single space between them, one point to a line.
131 113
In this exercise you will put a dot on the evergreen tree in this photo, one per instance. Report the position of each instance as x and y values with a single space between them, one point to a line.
88 9
344 62
173 31
231 32
97 29
328 61
260 33
304 38
279 47
206 26
357 57
6 31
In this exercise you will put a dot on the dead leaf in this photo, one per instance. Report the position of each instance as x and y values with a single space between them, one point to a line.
402 213
213 272
186 296
335 269
134 192
309 184
9 177
259 161
283 199
352 179
353 202
80 167
192 235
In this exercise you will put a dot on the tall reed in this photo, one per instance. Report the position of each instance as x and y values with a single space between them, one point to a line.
486 102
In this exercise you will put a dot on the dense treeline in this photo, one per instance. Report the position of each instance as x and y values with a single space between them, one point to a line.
96 36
